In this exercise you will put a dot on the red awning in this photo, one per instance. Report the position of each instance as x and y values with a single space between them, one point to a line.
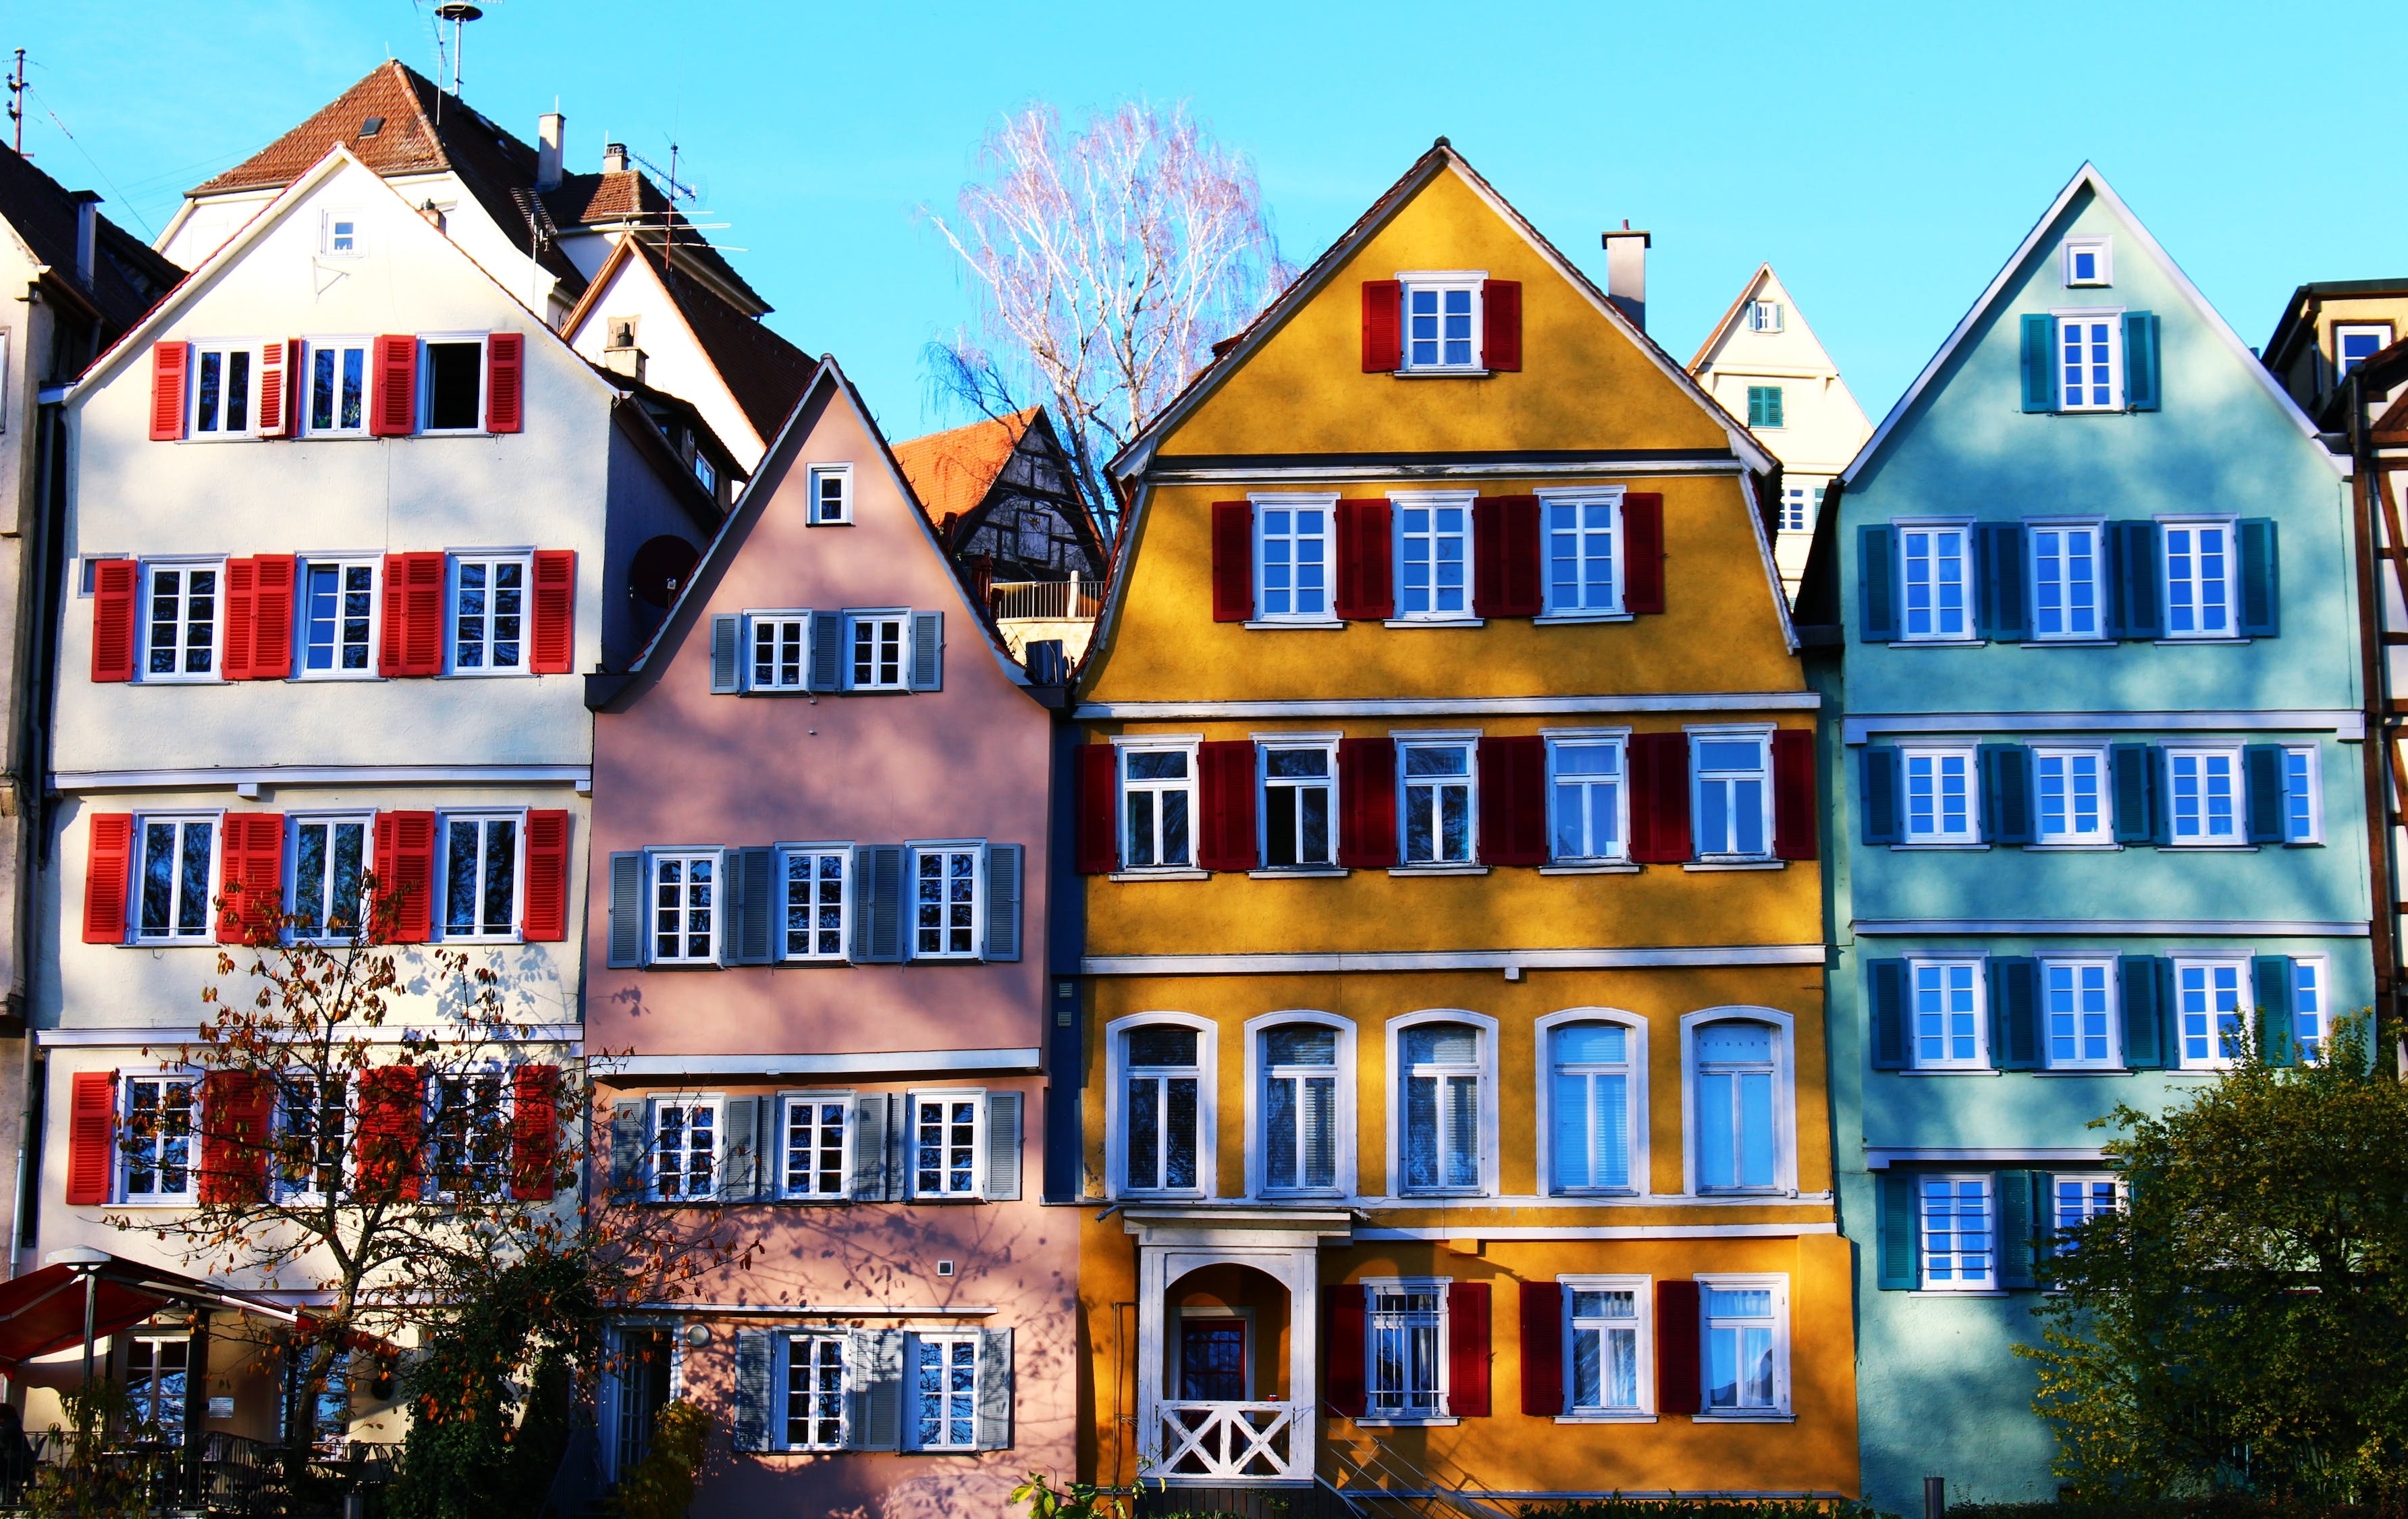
41 1312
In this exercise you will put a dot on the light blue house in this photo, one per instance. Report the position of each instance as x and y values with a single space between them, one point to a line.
2098 793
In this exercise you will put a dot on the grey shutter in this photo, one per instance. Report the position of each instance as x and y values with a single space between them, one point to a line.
881 1395
870 1182
878 904
2040 362
1003 884
2014 1013
751 1425
754 874
2271 978
927 650
2142 986
1003 1145
1877 584
726 654
1881 767
740 1150
2012 1191
828 651
627 909
727 904
627 1150
994 1390
1898 1267
1886 989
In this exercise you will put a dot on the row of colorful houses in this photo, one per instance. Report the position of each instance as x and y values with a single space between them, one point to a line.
1450 977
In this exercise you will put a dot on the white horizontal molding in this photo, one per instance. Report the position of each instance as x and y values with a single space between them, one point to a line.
884 1061
169 1037
2175 928
1610 1231
1351 473
2345 723
1882 1157
580 777
1710 701
1600 959
814 1311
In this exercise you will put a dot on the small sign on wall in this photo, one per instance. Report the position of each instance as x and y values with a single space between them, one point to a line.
220 1408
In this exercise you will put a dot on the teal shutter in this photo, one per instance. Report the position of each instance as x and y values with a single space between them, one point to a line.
2013 1191
753 873
1899 1270
1999 612
2014 1013
2132 579
2270 980
2141 368
2044 1187
1885 989
2006 793
2261 774
750 1431
1880 765
2261 579
2040 362
994 1390
1877 583
2142 989
2134 772
726 654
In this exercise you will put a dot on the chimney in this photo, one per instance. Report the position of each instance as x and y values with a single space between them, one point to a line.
87 204
624 361
549 129
614 158
1626 271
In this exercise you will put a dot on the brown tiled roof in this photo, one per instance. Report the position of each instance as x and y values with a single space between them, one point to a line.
764 373
128 277
629 196
952 471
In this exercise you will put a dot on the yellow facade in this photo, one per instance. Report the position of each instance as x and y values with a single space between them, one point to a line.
1667 950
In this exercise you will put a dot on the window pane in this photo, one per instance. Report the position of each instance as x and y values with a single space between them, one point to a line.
1301 1046
1159 1046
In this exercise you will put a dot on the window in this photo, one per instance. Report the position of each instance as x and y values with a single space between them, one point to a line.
946 893
1733 808
816 922
329 856
2065 580
2304 819
338 387
2090 361
1301 1108
2075 1200
1937 560
156 1382
685 1148
1441 325
156 1149
2205 794
480 877
1581 574
1300 797
2073 804
1747 1346
705 473
1605 1319
1793 510
314 1117
782 650
1764 316
2356 342
1437 803
619 333
2199 579
330 1419
831 494
1405 1371
455 385
1441 1079
1162 1114
2308 1007
342 238
946 1131
338 619
815 1392
1588 1108
1157 798
685 908
878 642
1292 544
178 856
945 1392
1764 406
2087 260
470 1135
488 615
182 602
1584 792
1959 1253
222 395
1948 1014
1738 1145
1433 558
2211 1000
1939 796
2078 1013
816 1153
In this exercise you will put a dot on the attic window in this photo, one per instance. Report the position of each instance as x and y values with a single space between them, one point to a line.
618 333
371 127
1764 316
2088 261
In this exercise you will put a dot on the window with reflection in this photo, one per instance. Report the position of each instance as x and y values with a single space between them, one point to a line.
1442 1082
1738 1147
1160 1117
1589 1107
1299 1062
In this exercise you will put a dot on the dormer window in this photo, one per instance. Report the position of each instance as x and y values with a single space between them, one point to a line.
2354 343
1441 321
1764 316
2088 261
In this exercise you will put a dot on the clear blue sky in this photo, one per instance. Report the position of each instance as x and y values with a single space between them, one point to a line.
1884 159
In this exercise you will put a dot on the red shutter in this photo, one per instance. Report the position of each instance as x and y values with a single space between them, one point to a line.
546 877
241 606
1366 561
1233 561
393 1111
91 1138
1097 785
1643 552
1345 1338
1501 323
405 877
1366 803
277 382
251 881
297 371
1679 1385
116 584
413 615
1793 795
1467 1348
1227 771
1505 566
1659 798
168 364
108 864
1542 1349
505 364
234 1108
271 616
535 1138
392 406
1383 328
555 612
1513 801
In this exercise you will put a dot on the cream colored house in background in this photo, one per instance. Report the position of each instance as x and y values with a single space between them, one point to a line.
1765 365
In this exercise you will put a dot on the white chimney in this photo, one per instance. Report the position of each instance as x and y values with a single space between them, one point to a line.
614 158
1625 272
549 131
87 236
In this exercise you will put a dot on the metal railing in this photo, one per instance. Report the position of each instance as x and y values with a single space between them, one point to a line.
1072 600
229 1474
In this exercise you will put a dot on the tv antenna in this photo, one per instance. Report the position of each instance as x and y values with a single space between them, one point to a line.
676 192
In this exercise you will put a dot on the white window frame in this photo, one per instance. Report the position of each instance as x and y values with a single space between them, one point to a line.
1187 744
138 875
847 1358
1400 502
913 851
1978 966
440 908
2113 318
2105 964
856 620
1938 756
1610 497
1468 741
1635 1030
2310 981
2089 1182
1764 315
844 855
1258 1079
1785 1097
2236 834
2303 782
1443 1408
307 383
426 344
1760 733
1616 740
1264 743
1905 528
1793 510
343 567
492 559
778 622
1643 1324
1441 280
653 859
182 676
1208 1104
2228 529
1928 1261
294 823
2101 834
496 1137
787 1102
121 1161
1783 1333
347 1115
2033 559
2103 273
329 221
1126 1072
1326 504
1487 1127
2245 998
223 349
841 475
716 1104
2346 329
976 1098
916 1347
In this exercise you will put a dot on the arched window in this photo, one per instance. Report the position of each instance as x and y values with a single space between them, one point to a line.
1589 1107
1738 1137
1160 1113
1300 1065
1441 1074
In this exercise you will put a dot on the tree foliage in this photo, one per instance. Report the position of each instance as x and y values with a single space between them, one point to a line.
2243 1323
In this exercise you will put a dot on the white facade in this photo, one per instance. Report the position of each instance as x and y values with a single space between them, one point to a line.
627 291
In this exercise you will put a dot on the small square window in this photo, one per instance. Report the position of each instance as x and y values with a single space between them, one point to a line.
1764 406
831 494
344 237
2354 343
336 405
2089 262
1764 316
1442 323
454 385
1941 796
878 651
618 333
1949 1024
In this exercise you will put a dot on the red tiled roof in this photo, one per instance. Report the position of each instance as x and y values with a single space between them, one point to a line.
629 198
952 471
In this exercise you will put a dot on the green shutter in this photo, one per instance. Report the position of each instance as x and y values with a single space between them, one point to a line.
2006 793
2141 368
1886 987
1877 583
2014 1013
2133 578
1879 762
2040 362
2013 1191
2261 776
2270 980
2134 773
1998 582
2261 579
2141 988
1899 1269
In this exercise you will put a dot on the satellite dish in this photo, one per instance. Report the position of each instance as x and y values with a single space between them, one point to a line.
661 569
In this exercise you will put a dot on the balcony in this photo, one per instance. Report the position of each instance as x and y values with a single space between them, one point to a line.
1205 1442
1025 612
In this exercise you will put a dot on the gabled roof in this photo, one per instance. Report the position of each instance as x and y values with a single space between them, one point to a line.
764 375
1739 303
2299 312
952 471
2086 177
128 277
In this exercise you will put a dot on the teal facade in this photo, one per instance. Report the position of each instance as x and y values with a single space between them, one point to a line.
2095 796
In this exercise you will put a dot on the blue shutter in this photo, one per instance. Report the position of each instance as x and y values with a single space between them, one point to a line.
2134 772
1999 612
2262 775
1003 1147
1877 583
1899 1267
2040 362
872 1181
2014 1013
2132 581
2270 980
1880 765
1885 986
2006 793
2142 985
2140 360
2261 579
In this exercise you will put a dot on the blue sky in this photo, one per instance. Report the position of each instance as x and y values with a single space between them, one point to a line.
1885 159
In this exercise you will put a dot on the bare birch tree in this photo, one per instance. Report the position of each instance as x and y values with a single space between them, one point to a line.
1106 265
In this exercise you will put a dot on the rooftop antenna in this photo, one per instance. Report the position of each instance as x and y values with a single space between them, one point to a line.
17 102
459 13
676 192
